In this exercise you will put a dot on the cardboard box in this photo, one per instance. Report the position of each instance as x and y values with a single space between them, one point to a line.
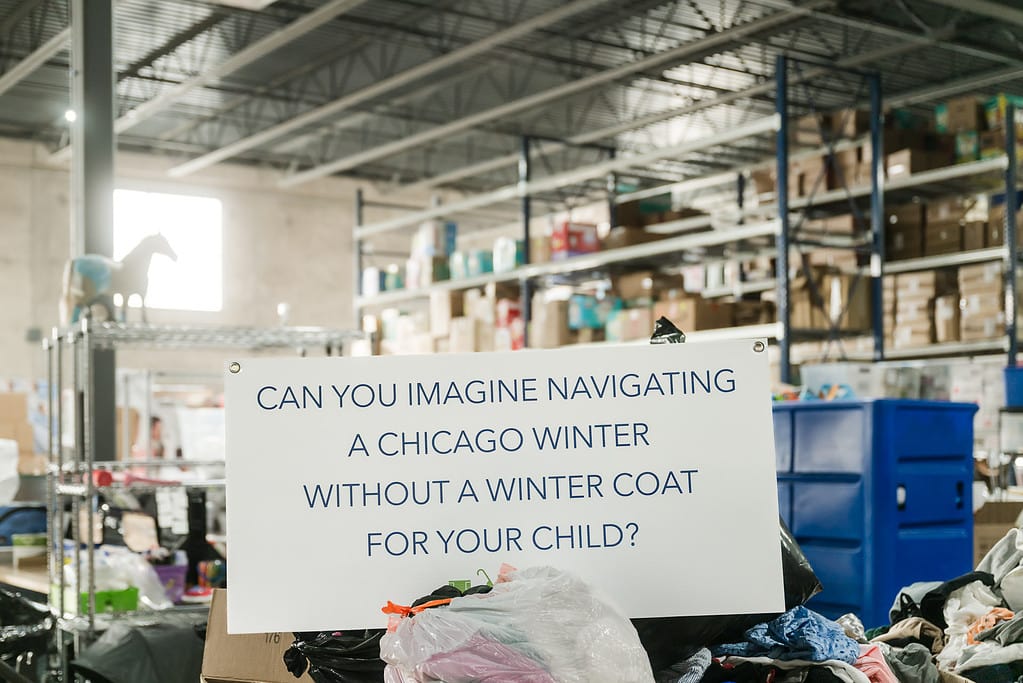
946 318
847 302
443 307
696 313
549 326
850 123
764 180
626 237
463 335
925 284
990 523
807 129
539 249
981 328
573 239
984 275
753 312
975 305
942 238
645 283
994 110
909 161
13 407
967 146
996 225
904 232
634 324
812 175
13 431
959 114
914 312
974 234
246 658
905 337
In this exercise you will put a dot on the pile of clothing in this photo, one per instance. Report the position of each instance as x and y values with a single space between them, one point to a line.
965 630
801 646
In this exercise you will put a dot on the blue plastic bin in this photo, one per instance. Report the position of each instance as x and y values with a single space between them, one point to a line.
1013 387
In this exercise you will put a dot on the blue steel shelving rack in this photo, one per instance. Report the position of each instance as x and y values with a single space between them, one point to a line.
785 236
877 263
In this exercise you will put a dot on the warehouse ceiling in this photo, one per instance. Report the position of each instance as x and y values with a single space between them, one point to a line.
429 93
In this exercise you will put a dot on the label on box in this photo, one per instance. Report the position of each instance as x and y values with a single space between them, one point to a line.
355 481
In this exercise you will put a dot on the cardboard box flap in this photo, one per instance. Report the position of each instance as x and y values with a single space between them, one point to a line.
247 658
999 512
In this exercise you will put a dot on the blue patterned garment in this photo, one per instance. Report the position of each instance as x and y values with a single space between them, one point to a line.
798 634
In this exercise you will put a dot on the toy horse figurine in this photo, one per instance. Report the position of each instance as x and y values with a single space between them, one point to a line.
92 279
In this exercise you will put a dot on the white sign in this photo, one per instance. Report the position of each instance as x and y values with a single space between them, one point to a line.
648 471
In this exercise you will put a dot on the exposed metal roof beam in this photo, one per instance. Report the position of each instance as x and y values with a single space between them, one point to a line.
44 53
17 14
960 85
258 50
676 54
573 176
385 86
916 41
656 117
987 8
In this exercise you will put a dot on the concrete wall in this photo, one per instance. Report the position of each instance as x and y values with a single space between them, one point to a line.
289 246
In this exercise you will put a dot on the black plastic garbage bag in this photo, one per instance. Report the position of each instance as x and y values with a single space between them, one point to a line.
26 631
151 653
337 657
668 639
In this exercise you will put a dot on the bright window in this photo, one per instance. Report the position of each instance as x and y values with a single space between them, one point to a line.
193 228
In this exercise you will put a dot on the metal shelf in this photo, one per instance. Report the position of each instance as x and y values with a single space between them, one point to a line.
120 335
403 295
557 181
763 330
930 262
739 288
104 620
988 346
81 490
916 180
594 261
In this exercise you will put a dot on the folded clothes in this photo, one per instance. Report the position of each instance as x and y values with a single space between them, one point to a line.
799 634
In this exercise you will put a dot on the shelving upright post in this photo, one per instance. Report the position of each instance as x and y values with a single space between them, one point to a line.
357 258
782 192
877 227
525 171
1011 246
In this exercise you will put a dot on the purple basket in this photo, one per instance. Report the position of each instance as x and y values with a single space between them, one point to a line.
172 576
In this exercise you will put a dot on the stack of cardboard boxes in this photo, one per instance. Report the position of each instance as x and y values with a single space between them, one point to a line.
914 309
890 298
981 302
979 127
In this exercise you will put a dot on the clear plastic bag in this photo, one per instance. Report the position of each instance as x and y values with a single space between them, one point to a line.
118 568
540 625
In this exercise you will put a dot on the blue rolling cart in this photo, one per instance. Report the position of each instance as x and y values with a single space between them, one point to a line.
878 495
